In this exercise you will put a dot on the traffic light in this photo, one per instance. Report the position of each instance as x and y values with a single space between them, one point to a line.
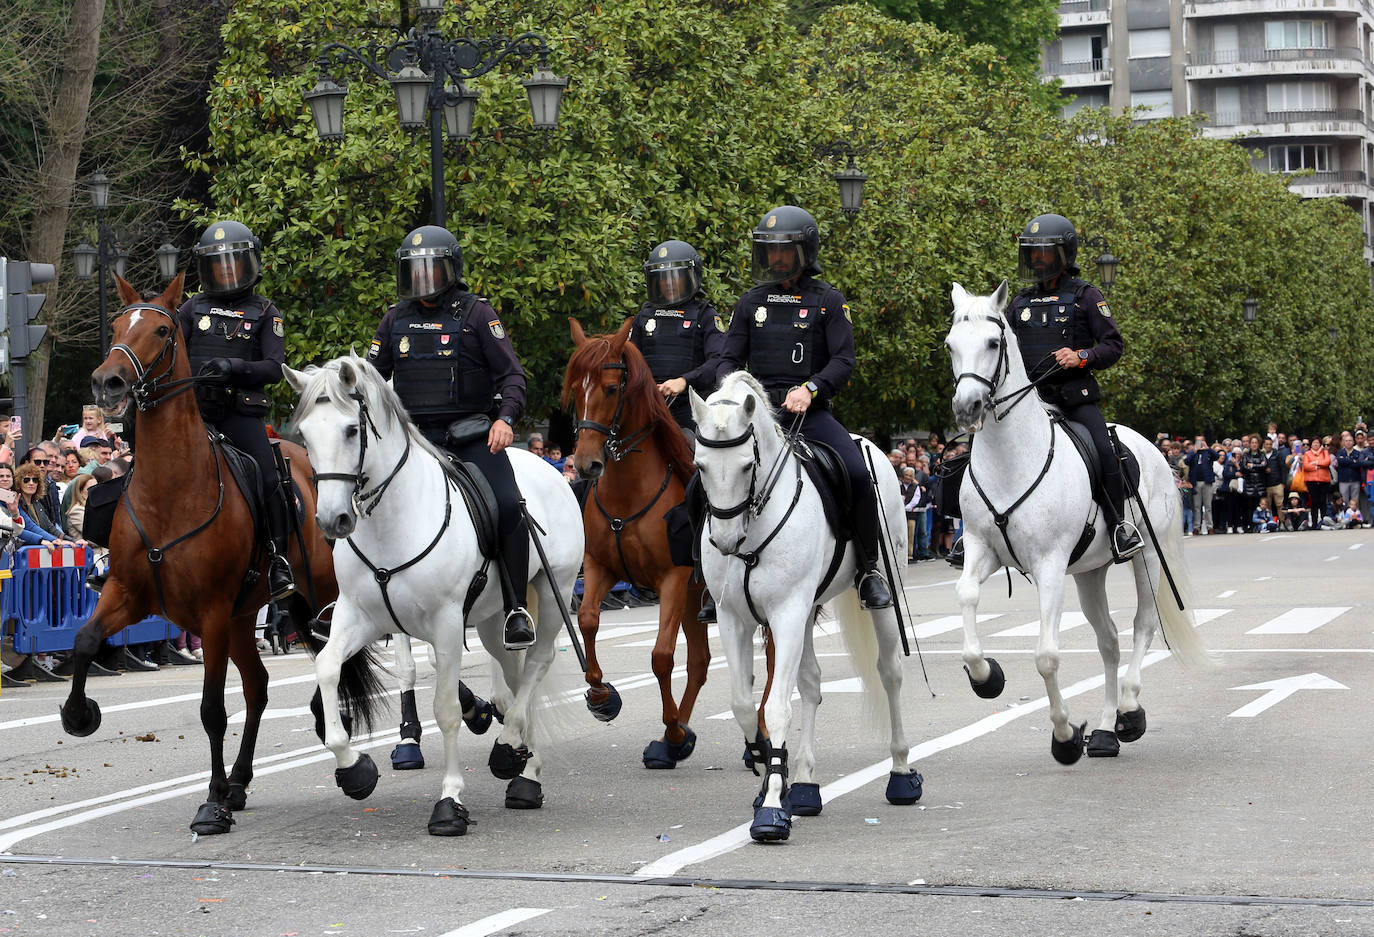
20 307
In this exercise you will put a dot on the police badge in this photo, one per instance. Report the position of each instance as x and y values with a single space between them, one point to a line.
1025 315
204 324
404 346
649 327
761 315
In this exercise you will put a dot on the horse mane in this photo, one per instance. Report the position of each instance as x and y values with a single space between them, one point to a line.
324 380
644 405
742 383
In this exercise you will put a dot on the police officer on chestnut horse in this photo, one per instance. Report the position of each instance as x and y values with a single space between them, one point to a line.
1066 332
793 333
236 345
449 358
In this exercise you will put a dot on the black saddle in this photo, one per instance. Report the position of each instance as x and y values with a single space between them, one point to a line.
480 501
1083 442
828 474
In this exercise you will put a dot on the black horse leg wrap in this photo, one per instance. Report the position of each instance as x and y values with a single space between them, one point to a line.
759 750
466 699
777 767
409 714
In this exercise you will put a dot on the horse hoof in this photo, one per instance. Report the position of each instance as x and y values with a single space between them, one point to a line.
992 687
771 825
1103 744
688 745
607 709
238 797
359 779
449 818
507 762
1066 753
904 789
1130 726
84 727
212 818
524 794
657 755
407 757
804 800
481 719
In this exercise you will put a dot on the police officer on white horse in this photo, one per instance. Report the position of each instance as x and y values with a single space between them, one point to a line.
793 333
1066 332
235 343
449 359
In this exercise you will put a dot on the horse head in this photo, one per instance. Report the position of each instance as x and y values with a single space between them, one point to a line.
341 407
596 385
978 343
735 432
143 335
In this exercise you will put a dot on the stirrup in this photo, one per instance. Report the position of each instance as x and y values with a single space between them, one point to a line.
881 599
519 629
1127 531
279 579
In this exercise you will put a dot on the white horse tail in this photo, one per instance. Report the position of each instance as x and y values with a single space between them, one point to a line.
1180 625
861 641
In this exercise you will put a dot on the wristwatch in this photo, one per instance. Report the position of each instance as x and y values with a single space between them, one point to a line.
813 388
1083 359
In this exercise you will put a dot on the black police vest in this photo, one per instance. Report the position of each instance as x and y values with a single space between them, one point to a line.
671 340
785 332
224 329
1047 322
434 372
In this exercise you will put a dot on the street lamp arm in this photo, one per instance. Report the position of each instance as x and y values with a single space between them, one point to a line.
468 57
374 56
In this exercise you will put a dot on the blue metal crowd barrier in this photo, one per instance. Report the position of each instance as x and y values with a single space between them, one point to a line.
48 604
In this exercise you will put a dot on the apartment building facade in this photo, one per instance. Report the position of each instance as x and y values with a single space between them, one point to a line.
1295 77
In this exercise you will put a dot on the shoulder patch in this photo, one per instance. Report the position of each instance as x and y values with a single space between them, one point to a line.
277 328
375 349
1102 308
498 331
847 316
720 324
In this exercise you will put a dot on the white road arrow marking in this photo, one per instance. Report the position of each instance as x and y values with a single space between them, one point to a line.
1280 690
1300 620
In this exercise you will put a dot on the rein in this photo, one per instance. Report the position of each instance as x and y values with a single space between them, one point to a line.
999 375
617 448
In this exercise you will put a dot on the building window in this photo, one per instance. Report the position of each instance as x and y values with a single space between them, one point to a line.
1293 158
1156 103
1149 43
1084 101
1300 96
1296 34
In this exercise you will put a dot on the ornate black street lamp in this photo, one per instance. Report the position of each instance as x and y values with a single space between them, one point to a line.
1106 263
849 179
430 84
1250 308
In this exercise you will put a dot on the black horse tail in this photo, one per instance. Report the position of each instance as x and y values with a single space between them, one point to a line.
362 695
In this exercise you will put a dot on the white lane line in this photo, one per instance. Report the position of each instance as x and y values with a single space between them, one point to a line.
1227 594
496 922
733 839
846 685
1354 546
1300 620
929 629
931 585
1201 616
1031 629
1330 558
1263 578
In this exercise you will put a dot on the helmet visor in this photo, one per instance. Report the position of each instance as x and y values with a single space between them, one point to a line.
1041 259
777 257
422 274
671 282
227 268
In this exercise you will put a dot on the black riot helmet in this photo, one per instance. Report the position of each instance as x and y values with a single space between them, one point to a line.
672 274
1054 233
228 259
786 243
428 262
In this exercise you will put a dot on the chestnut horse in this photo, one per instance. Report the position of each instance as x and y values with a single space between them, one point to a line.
183 505
638 462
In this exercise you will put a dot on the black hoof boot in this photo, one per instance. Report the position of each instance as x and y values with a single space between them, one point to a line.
212 818
804 800
903 790
1103 744
507 762
873 591
358 780
1066 753
84 726
238 796
519 632
1130 726
607 709
992 687
483 713
688 745
524 794
449 818
707 615
771 825
407 757
656 756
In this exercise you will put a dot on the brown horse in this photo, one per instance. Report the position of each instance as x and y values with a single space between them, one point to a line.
638 462
183 506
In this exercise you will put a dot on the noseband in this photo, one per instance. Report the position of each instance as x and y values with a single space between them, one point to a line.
753 502
364 501
616 448
145 386
999 374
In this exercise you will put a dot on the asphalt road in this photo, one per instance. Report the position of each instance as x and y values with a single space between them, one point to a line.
1244 810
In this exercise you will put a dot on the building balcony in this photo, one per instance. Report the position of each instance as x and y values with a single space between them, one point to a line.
1345 183
1079 74
1339 122
1075 13
1261 62
1211 8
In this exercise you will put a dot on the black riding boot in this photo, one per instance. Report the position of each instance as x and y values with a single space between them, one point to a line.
280 583
696 513
873 590
513 562
1126 541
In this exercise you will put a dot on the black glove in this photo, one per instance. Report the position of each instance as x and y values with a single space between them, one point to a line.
216 370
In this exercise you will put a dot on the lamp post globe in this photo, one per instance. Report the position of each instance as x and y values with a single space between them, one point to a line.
1250 307
546 96
851 182
326 102
1106 269
411 85
167 260
100 190
460 105
84 256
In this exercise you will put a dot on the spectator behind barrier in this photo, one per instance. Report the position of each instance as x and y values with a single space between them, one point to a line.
76 511
39 527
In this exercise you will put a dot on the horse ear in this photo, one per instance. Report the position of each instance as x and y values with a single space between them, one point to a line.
171 296
749 405
348 374
999 297
127 294
622 335
293 377
699 409
579 337
959 295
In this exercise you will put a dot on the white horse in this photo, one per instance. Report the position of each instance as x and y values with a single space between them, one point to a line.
406 555
766 552
1030 471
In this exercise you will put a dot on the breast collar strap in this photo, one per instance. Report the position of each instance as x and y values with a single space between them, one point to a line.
1003 518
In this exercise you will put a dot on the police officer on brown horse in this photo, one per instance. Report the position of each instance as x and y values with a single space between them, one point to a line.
450 360
236 345
1066 332
793 333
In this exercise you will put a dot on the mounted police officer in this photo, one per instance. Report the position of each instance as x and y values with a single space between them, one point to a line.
236 345
793 333
681 336
450 361
1066 332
